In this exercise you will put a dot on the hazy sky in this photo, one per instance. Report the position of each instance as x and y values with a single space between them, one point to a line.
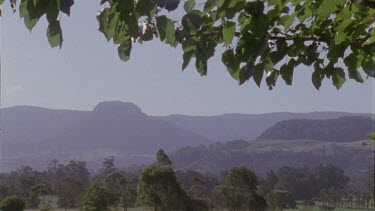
87 70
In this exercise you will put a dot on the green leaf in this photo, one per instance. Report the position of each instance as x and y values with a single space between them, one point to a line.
249 46
245 26
65 6
258 74
166 29
259 25
132 26
317 79
229 60
352 62
317 75
189 5
272 78
229 31
148 34
54 34
201 65
368 65
28 13
372 136
191 22
187 58
327 8
124 51
247 71
289 21
209 5
254 8
287 70
146 7
338 77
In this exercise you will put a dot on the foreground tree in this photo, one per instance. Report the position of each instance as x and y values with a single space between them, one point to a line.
38 194
117 183
98 198
239 191
281 200
262 39
12 203
158 189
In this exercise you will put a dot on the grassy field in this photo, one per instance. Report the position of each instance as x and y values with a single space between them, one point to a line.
316 208
299 209
129 209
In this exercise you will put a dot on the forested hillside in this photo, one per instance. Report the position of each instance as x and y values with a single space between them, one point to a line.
264 155
343 129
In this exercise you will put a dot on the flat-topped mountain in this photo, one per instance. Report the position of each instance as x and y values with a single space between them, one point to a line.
33 135
112 128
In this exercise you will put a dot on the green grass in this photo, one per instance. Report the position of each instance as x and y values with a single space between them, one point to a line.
316 208
129 209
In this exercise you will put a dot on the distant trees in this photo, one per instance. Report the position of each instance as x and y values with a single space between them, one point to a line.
300 182
329 176
304 183
68 182
161 188
345 198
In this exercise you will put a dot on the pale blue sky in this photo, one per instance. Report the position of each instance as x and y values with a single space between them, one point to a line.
87 70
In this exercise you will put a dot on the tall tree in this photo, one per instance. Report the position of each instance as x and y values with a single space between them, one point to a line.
158 189
38 193
163 158
239 190
117 183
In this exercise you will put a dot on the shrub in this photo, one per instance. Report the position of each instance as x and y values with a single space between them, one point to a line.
12 203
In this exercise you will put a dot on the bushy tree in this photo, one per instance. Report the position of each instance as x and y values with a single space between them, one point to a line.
281 200
98 198
158 189
117 183
38 193
12 203
239 190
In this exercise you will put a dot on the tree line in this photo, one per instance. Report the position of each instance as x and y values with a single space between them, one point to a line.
162 188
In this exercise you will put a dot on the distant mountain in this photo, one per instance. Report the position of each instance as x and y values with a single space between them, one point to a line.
244 126
343 129
35 135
